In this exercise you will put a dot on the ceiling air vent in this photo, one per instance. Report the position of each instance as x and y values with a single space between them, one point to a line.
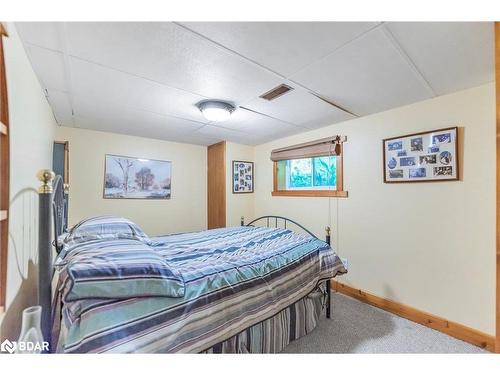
276 92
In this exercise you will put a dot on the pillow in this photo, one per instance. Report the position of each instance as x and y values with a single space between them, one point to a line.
117 269
105 227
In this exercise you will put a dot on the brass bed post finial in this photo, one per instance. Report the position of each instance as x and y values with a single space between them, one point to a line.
46 176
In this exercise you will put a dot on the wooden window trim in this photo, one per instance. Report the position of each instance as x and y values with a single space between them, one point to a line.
337 193
4 172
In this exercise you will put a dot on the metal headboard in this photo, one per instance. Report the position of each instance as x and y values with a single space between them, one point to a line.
276 222
52 222
59 209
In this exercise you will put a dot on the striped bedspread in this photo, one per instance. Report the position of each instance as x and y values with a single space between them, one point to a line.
234 278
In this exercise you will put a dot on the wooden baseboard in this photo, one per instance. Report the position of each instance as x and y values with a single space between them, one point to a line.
456 330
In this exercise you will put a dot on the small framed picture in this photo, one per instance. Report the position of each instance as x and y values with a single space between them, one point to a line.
242 176
421 157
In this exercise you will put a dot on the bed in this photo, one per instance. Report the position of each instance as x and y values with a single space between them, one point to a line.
246 289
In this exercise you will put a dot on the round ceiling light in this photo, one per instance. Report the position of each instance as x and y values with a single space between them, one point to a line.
216 110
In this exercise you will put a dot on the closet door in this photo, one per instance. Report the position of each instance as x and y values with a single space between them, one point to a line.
216 185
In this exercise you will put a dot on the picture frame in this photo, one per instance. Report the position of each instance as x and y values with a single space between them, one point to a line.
128 177
242 176
429 156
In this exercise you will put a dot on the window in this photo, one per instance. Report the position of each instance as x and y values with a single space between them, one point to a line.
310 173
4 172
318 174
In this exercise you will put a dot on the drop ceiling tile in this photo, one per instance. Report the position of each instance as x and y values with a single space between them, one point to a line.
106 116
198 139
249 121
61 107
167 53
366 76
215 131
284 47
254 127
301 108
110 126
246 127
451 56
49 67
97 81
42 34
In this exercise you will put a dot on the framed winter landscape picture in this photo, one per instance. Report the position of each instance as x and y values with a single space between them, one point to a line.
242 176
421 157
134 178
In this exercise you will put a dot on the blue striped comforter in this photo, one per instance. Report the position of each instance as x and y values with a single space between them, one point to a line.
234 278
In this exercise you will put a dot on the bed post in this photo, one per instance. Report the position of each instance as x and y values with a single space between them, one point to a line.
328 287
66 200
45 250
242 221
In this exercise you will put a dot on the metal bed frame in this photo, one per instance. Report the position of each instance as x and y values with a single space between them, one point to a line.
53 222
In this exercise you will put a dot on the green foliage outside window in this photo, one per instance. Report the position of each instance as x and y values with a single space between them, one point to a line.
312 172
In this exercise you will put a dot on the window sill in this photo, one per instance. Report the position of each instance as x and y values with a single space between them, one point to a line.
310 193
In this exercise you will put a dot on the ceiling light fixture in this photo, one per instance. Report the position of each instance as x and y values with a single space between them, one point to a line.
216 110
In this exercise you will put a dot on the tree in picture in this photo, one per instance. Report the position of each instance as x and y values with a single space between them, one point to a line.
144 178
125 164
112 181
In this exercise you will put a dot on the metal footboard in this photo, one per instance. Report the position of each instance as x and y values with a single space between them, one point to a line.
281 219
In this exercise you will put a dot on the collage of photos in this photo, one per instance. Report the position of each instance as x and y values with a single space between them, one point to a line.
242 176
427 156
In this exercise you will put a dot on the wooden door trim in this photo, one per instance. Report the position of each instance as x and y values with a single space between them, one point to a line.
497 85
4 171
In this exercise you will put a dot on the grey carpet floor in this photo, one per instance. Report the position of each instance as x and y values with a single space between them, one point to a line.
356 327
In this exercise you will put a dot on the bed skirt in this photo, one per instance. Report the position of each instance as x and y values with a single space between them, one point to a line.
274 334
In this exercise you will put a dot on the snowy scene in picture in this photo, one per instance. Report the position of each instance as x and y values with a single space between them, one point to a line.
137 178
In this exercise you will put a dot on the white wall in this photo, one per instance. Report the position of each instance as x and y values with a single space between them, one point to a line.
237 205
427 245
185 211
32 127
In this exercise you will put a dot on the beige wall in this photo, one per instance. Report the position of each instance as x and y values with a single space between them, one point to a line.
428 245
32 128
185 211
237 205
